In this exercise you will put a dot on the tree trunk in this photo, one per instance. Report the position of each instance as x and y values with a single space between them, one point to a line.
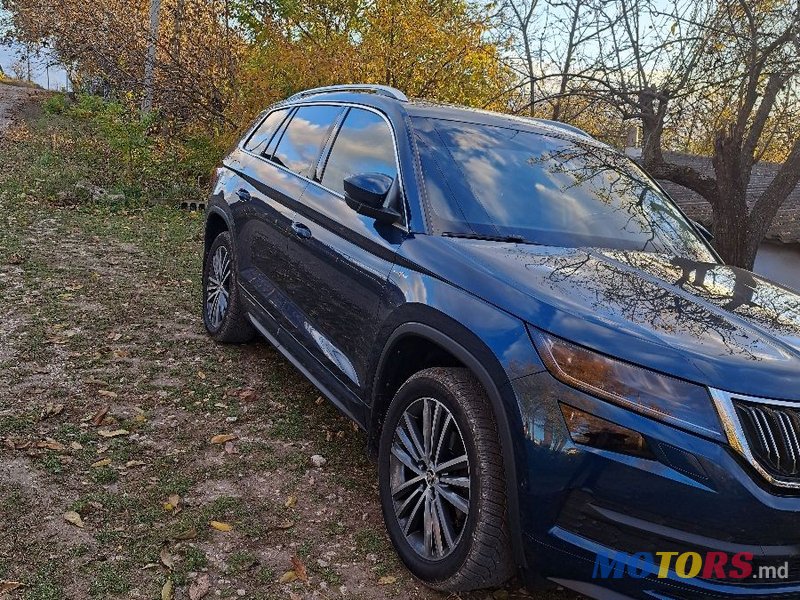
732 231
732 237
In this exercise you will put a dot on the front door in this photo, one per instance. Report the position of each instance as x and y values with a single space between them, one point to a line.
342 259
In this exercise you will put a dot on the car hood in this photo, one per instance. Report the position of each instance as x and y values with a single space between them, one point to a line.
714 324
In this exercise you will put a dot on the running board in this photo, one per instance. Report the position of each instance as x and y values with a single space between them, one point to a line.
306 373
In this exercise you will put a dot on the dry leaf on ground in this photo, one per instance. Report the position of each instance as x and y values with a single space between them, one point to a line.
166 558
299 568
51 410
288 577
9 586
73 518
223 438
115 433
189 534
247 395
220 526
168 591
51 444
101 413
200 587
173 503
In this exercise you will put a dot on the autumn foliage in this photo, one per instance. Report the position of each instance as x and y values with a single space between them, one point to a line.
222 61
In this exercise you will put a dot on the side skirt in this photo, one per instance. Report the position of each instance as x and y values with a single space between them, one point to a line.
352 407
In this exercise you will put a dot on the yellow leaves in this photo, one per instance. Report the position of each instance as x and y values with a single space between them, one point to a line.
168 591
101 463
288 577
221 526
173 504
73 518
223 438
291 502
387 580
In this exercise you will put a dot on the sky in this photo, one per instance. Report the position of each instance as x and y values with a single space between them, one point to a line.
10 54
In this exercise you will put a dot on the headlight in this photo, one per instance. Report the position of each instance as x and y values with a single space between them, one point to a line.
655 395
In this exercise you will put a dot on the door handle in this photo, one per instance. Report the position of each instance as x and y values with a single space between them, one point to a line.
301 230
244 195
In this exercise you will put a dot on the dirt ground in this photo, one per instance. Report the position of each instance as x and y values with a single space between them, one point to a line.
12 96
140 460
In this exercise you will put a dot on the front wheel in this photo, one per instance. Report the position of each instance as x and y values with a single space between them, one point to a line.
442 482
223 313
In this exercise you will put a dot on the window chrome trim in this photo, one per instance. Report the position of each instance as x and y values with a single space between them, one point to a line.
405 224
735 432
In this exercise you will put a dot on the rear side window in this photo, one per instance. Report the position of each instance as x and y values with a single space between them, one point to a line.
264 132
302 141
364 145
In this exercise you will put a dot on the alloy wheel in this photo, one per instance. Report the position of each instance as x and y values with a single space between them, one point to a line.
218 287
430 478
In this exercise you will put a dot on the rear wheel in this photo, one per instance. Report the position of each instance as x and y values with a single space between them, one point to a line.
442 482
223 313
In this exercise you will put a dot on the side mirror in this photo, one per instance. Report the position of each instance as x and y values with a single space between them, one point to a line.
366 193
704 231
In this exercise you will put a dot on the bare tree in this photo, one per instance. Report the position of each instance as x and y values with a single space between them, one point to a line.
738 62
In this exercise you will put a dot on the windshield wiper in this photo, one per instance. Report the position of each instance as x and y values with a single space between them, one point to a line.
512 239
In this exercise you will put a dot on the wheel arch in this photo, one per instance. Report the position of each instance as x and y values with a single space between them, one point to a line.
473 354
216 222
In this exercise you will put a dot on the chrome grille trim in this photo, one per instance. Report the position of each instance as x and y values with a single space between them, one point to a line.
732 408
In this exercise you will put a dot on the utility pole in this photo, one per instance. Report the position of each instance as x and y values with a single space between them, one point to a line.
150 60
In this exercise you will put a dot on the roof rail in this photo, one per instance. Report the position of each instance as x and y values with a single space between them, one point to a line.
383 90
564 126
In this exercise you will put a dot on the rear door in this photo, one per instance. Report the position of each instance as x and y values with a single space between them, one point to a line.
341 259
273 169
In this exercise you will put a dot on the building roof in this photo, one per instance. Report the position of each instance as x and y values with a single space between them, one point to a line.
785 227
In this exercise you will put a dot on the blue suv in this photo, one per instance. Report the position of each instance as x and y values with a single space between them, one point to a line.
557 374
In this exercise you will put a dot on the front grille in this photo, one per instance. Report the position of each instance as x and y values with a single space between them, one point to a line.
773 434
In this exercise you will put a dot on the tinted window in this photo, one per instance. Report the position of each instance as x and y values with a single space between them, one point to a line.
552 190
364 145
263 134
302 141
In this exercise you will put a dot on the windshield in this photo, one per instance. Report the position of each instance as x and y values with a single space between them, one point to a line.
546 189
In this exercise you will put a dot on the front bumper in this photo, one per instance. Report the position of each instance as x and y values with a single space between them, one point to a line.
697 495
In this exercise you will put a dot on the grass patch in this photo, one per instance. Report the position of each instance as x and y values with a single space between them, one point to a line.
44 585
90 150
111 579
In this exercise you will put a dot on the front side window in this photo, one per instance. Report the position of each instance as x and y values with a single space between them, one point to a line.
304 137
546 189
263 134
363 145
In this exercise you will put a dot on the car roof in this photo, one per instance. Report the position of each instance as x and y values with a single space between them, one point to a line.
435 110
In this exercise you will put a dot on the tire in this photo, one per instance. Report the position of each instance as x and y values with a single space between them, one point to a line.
480 555
231 325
